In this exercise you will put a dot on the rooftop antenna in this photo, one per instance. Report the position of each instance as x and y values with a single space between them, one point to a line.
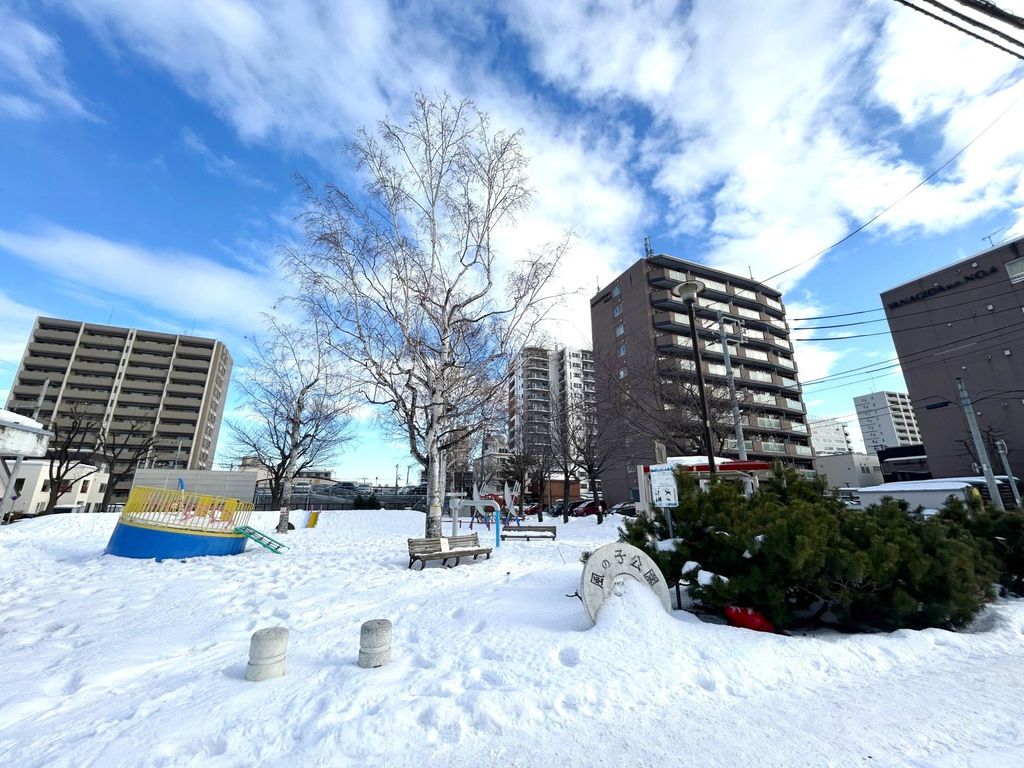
647 247
989 236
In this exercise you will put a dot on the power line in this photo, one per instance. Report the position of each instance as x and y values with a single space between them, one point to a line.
892 205
908 328
991 9
957 27
976 22
841 314
893 362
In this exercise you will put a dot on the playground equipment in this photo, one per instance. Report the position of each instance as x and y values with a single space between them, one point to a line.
165 523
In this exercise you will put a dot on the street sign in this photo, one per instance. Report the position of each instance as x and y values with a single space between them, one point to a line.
663 486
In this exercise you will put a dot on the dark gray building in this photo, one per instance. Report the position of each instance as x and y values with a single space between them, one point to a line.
964 321
642 352
134 383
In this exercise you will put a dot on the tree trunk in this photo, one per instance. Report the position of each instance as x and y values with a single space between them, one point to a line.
597 497
289 471
52 496
107 493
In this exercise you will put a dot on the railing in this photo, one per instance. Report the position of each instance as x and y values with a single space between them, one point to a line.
188 511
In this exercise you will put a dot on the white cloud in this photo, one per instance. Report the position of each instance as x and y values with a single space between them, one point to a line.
178 285
219 165
16 321
32 79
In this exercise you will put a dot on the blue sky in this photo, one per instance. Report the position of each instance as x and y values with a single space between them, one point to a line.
147 150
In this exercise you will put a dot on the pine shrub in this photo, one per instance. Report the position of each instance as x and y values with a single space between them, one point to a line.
799 556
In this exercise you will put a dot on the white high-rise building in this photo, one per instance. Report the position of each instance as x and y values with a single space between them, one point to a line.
886 420
547 382
829 437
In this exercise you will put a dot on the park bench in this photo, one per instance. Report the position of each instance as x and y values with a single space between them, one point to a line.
445 548
529 532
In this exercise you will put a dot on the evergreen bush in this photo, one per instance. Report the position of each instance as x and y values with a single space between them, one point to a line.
799 556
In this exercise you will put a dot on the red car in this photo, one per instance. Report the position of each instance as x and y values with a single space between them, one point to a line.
588 508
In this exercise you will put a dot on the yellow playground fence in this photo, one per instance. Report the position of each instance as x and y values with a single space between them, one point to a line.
167 508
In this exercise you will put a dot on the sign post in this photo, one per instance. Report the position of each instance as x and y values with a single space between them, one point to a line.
663 491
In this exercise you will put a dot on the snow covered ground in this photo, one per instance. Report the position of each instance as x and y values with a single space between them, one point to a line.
116 662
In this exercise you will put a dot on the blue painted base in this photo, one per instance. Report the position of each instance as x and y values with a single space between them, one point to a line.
140 541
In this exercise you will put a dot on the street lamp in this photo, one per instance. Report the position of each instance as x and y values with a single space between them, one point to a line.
688 291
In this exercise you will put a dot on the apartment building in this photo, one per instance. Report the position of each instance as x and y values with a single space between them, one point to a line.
642 350
135 384
829 437
886 420
546 383
964 321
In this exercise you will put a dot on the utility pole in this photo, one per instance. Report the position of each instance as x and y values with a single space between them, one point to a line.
741 445
39 400
979 445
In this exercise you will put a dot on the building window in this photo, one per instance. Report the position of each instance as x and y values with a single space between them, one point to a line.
622 349
85 486
617 310
622 373
1015 269
619 329
616 291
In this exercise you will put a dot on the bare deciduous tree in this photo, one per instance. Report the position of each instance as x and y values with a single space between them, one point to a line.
298 405
123 447
519 468
594 443
72 450
407 281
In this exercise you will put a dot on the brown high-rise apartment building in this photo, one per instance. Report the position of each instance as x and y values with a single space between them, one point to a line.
964 321
173 387
643 353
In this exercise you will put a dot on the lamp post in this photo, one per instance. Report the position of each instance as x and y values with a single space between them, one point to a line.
688 291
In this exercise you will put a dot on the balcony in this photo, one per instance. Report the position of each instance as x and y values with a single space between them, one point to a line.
672 321
141 385
187 377
101 369
669 341
800 450
60 350
665 278
163 349
101 355
157 361
51 335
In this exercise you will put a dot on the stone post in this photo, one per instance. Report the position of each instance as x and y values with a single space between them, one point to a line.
266 654
375 643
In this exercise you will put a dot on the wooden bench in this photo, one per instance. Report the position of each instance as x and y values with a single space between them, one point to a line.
529 532
445 548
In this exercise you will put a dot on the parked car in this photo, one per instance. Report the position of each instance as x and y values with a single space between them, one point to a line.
585 508
624 508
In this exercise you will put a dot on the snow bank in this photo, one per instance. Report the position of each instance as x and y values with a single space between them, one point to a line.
115 662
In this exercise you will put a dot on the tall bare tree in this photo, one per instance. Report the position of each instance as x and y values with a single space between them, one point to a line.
72 450
123 447
298 405
563 448
594 443
407 279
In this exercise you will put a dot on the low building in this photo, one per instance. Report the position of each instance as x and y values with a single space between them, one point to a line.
829 436
908 462
213 482
83 488
849 470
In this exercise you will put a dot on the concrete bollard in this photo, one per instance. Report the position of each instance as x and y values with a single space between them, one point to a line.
375 643
266 654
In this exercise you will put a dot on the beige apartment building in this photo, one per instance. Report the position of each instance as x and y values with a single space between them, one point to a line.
169 386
